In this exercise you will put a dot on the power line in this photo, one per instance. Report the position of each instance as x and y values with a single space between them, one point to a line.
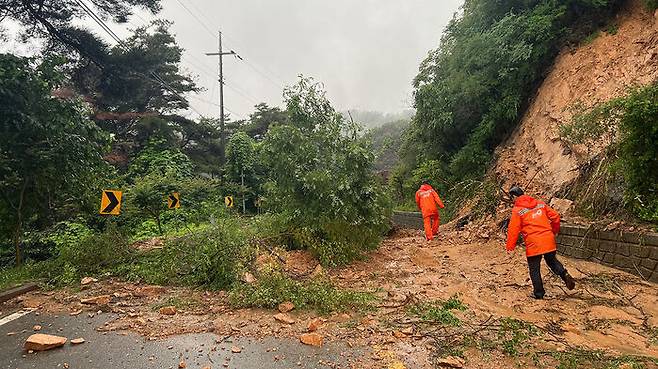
204 69
197 19
217 105
212 33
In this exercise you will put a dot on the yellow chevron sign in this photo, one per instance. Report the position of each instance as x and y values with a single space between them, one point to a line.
111 202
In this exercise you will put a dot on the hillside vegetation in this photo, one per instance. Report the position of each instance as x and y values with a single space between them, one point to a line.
472 92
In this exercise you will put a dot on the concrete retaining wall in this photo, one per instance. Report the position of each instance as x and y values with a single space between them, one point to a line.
411 220
631 252
635 253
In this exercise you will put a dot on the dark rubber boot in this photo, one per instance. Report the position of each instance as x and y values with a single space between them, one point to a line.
568 280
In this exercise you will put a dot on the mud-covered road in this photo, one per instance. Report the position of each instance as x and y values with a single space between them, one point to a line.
610 316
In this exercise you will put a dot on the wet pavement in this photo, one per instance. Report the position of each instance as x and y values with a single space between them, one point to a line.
103 350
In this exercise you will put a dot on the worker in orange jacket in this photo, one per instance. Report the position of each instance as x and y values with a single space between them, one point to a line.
538 223
427 199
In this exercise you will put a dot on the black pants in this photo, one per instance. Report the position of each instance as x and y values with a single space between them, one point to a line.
534 264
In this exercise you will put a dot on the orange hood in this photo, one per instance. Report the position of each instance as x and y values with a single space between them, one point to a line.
525 201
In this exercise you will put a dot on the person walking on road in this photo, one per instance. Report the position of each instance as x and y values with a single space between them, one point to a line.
427 199
538 223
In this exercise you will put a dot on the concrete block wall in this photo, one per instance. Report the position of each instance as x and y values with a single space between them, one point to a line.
636 253
411 220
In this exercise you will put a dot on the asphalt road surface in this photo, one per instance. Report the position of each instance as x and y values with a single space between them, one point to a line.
128 350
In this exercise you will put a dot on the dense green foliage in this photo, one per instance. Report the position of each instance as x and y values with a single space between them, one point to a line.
631 122
322 178
50 152
210 257
472 90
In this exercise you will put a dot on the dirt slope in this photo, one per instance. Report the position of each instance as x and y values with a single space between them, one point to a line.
534 155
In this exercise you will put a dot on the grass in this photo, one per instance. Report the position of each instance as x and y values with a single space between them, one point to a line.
273 288
181 303
612 29
589 39
12 277
576 359
438 311
513 334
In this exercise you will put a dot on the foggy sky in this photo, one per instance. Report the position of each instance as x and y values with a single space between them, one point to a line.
366 52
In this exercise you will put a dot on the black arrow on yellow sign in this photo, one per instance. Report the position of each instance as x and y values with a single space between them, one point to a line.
111 202
174 200
228 200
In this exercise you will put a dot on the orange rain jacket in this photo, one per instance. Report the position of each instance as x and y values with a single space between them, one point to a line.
537 222
427 199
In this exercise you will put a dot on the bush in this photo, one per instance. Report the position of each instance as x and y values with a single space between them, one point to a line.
210 257
273 288
631 123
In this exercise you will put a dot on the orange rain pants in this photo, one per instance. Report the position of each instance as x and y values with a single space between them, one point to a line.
431 223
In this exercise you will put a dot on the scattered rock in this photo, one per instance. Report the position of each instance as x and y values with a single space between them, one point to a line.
182 365
311 339
36 328
151 291
31 302
561 205
314 324
77 341
75 313
285 307
399 334
167 310
11 333
236 350
66 365
248 278
451 362
343 318
43 342
284 318
318 271
97 300
408 331
88 280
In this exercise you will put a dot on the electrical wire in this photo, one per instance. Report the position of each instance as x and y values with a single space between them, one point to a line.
249 64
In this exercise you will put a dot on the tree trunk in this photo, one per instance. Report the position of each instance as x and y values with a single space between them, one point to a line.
19 224
157 221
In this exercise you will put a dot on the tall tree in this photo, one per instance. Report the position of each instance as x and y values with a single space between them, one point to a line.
53 19
264 117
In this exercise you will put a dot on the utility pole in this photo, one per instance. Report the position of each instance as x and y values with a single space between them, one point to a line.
244 201
222 129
